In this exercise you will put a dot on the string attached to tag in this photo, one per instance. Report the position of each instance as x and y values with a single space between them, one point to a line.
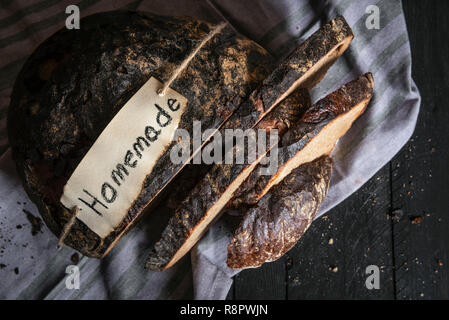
68 226
183 65
161 92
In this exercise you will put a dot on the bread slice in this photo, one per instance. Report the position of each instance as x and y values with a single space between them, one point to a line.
279 209
315 135
210 195
301 70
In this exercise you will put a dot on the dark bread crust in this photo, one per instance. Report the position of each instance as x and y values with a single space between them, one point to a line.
302 69
334 34
302 132
328 43
194 208
273 222
77 80
272 227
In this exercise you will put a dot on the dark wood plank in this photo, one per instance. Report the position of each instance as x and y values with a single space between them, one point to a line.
266 282
329 262
420 178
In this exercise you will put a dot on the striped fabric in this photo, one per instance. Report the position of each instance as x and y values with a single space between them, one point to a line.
32 268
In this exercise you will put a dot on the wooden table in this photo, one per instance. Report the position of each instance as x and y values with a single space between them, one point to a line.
399 220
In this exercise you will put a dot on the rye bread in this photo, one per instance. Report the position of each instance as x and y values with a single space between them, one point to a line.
278 209
302 69
276 222
77 80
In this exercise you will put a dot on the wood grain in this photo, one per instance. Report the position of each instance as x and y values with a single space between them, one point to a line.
419 175
266 282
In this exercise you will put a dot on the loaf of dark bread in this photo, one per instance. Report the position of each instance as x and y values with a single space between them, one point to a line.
301 70
77 80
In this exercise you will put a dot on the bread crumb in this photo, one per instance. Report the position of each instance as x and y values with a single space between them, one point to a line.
333 268
75 258
416 220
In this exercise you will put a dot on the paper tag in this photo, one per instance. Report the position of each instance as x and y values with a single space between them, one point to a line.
110 176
